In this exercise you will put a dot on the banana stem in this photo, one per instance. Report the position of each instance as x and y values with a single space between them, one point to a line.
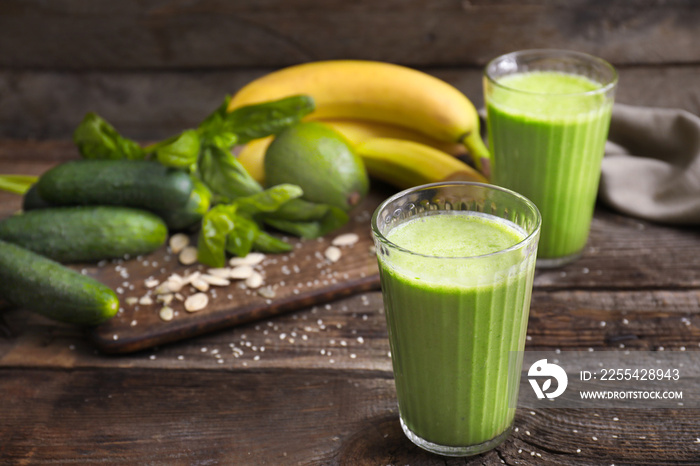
479 152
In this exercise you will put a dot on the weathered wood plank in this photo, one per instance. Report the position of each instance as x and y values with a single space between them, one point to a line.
152 105
139 416
350 334
78 34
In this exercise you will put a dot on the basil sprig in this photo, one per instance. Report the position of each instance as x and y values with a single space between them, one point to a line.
241 206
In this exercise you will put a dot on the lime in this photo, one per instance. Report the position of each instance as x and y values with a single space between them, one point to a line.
319 160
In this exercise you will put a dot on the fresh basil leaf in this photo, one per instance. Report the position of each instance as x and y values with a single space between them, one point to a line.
97 139
301 210
269 200
216 226
180 152
17 184
239 241
224 174
334 219
214 128
215 118
265 242
267 118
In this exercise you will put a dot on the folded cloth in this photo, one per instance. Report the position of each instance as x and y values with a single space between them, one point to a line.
651 167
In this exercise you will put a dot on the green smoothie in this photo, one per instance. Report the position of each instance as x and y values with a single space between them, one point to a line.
453 321
547 133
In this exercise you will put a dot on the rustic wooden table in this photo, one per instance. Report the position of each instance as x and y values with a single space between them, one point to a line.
315 386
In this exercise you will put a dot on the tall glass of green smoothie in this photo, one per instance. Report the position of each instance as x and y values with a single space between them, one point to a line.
456 262
548 113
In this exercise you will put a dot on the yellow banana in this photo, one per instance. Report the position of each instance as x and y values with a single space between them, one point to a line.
404 164
358 131
376 91
400 163
252 157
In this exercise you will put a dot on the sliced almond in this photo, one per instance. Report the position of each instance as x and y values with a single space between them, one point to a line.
178 242
166 313
188 255
196 302
333 253
215 280
253 258
165 298
267 292
347 239
173 284
151 283
146 300
254 281
200 284
241 272
222 272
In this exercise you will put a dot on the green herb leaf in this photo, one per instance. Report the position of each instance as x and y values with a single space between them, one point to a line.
216 226
334 219
180 152
258 120
239 241
17 184
269 200
224 174
301 210
265 242
97 139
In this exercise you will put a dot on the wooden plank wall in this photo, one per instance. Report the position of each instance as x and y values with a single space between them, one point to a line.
153 67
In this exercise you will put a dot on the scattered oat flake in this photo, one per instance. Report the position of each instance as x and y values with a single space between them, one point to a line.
196 302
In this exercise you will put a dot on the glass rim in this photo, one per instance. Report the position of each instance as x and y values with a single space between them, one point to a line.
582 56
529 236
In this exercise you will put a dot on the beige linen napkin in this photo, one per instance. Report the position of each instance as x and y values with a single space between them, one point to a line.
651 169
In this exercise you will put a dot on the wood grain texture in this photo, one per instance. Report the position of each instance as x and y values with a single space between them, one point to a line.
79 34
49 104
295 417
315 387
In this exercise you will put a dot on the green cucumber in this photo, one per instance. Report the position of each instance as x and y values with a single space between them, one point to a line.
191 214
131 183
85 233
31 281
171 194
33 200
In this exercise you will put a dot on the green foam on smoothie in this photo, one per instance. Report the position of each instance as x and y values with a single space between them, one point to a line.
461 240
453 235
536 89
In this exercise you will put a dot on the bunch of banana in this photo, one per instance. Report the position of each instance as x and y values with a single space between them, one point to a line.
395 155
405 124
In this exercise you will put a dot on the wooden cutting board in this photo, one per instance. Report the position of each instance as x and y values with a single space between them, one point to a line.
294 280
